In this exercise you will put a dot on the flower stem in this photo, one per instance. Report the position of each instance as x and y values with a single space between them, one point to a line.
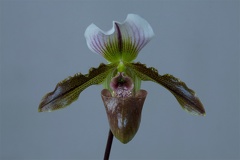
108 146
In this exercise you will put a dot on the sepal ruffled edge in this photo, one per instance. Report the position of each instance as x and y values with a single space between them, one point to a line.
184 95
68 90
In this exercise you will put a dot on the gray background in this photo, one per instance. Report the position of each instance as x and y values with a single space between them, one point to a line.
42 42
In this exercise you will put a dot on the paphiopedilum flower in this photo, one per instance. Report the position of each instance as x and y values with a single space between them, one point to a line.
121 77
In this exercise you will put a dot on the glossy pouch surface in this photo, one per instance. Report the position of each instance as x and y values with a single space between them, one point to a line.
124 114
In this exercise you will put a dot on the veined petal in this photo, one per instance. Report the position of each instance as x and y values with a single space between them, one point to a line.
123 42
184 95
68 90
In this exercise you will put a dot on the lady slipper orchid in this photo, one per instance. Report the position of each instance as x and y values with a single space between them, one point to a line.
121 78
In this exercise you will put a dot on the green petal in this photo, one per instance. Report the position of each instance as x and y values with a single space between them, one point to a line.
68 90
185 96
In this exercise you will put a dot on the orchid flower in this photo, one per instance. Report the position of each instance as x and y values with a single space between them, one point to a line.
121 78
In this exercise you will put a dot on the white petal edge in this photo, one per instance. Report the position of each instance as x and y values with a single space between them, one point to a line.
134 23
134 27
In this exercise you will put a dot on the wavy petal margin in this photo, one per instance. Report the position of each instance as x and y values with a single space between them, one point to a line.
68 90
185 96
123 41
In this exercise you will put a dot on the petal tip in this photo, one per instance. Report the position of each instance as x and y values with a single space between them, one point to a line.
39 110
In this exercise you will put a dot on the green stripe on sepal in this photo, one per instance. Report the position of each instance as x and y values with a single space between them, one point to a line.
68 90
184 95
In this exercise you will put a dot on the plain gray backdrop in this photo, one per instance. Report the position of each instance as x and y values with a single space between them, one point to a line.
42 43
